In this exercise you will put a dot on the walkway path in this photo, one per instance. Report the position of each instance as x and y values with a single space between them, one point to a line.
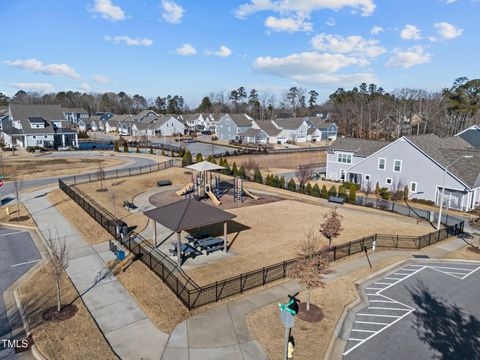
127 328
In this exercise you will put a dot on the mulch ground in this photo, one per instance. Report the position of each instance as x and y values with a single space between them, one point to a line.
313 315
67 312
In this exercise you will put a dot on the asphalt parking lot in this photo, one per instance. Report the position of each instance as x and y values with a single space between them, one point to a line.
18 254
422 310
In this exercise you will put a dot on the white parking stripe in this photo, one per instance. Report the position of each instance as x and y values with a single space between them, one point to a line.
449 268
383 301
370 322
389 316
382 283
391 278
470 273
353 339
402 274
367 331
372 288
14 232
25 263
386 308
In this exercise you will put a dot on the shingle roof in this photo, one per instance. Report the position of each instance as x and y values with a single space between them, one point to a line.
22 113
251 132
360 147
75 110
320 123
472 136
188 214
290 123
268 127
240 119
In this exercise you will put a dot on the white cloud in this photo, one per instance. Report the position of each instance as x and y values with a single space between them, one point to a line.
313 68
451 1
410 32
349 45
186 50
107 10
447 31
37 87
37 66
84 87
287 24
223 51
101 79
376 30
128 40
172 12
407 58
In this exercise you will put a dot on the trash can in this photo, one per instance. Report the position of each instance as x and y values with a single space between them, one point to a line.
120 255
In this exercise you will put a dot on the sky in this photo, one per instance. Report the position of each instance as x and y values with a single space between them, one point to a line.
191 48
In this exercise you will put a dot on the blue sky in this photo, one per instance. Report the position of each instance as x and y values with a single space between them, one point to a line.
191 47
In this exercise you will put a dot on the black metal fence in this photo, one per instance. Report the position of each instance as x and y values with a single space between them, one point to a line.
192 295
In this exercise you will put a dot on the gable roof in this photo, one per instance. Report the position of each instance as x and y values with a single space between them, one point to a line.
74 110
290 123
360 147
24 112
252 132
268 127
240 119
471 135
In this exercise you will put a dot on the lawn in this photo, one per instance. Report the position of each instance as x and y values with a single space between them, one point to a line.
285 161
11 218
75 338
273 232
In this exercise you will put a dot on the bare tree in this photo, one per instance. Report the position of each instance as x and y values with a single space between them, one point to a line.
475 224
331 228
57 255
17 189
397 189
250 164
311 265
113 199
303 174
367 189
101 174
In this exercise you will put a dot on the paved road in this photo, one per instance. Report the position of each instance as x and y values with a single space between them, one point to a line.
17 255
27 184
421 311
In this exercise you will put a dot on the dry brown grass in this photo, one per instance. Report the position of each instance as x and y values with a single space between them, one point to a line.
464 253
286 161
5 218
276 229
311 338
91 231
127 189
75 338
155 298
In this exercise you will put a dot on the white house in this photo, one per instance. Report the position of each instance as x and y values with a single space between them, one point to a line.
275 134
295 129
74 115
166 126
194 122
38 125
314 134
254 136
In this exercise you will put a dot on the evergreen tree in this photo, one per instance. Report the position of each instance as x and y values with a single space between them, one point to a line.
342 192
138 150
377 189
125 147
324 192
241 172
332 191
116 147
199 158
258 177
163 152
187 158
352 195
292 186
282 182
151 150
384 193
172 153
226 165
308 189
276 181
316 190
181 152
235 171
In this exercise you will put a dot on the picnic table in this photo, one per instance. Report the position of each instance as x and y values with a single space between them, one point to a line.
193 237
210 244
186 250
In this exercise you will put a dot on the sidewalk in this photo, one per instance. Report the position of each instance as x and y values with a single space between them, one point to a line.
127 328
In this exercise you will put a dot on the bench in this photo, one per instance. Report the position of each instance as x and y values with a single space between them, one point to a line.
129 206
213 249
185 250
336 199
163 183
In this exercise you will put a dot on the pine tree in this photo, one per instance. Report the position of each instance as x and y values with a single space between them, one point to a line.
308 189
324 192
276 181
342 192
151 150
235 169
125 147
316 190
292 186
138 150
258 177
181 152
199 158
241 172
377 189
352 195
226 165
187 158
332 191
282 182
116 147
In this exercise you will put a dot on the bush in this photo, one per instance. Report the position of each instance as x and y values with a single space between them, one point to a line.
258 177
352 195
342 192
226 165
138 150
199 158
116 146
276 181
187 158
348 185
235 171
125 147
316 190
384 193
241 172
292 186
282 182
214 137
332 191
324 192
308 189
83 135
30 149
211 159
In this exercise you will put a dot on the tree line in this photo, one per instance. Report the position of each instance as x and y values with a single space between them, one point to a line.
366 111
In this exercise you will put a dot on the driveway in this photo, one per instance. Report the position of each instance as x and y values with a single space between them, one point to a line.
18 254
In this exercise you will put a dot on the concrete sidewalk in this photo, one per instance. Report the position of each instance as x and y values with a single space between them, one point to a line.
127 328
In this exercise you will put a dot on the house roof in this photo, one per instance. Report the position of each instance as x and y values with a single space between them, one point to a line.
205 166
188 214
190 117
471 135
240 119
312 130
74 110
360 147
251 132
322 124
50 113
144 114
268 127
290 123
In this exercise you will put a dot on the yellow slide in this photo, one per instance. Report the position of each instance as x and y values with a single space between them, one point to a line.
213 198
185 189
249 194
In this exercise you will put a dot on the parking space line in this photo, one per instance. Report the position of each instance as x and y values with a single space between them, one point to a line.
372 288
367 331
470 273
401 274
25 263
14 232
391 278
386 308
381 315
370 322
450 268
353 339
383 301
382 283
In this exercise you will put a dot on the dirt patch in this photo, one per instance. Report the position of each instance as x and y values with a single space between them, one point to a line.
467 252
313 315
286 161
66 312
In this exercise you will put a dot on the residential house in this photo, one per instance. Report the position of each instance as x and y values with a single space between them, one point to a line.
166 126
144 115
231 126
194 122
93 123
140 128
329 130
295 128
38 125
211 122
471 135
74 115
275 135
419 162
254 136
314 134
119 123
104 116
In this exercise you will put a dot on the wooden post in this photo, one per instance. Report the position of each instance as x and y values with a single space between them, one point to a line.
155 232
225 237
179 255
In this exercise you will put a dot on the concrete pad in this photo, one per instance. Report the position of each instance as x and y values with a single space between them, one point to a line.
227 352
74 253
252 351
263 298
178 337
149 341
173 353
87 264
211 329
238 313
104 294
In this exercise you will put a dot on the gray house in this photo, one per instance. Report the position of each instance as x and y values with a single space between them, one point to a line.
329 130
419 162
254 136
231 126
471 135
74 115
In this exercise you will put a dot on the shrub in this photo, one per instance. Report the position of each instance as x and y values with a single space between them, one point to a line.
125 147
30 149
241 172
138 150
214 138
199 158
163 152
226 165
282 182
116 146
377 189
258 177
235 171
82 135
227 153
308 189
384 193
342 192
292 186
187 158
181 152
352 195
316 190
276 181
349 184
332 191
324 192
151 150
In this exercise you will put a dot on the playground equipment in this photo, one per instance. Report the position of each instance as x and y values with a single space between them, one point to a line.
249 194
185 190
239 192
203 183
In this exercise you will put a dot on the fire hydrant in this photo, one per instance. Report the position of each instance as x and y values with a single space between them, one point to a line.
291 348
7 210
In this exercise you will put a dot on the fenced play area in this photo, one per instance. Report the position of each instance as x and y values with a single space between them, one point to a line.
262 235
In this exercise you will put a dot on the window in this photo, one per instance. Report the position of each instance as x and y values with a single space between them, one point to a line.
388 181
397 165
413 187
367 177
344 158
381 163
34 137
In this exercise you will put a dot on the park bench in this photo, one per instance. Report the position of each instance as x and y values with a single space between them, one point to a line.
336 199
213 249
210 244
186 250
129 205
199 235
163 183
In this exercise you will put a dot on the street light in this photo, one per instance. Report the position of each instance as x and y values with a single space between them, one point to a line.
443 188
